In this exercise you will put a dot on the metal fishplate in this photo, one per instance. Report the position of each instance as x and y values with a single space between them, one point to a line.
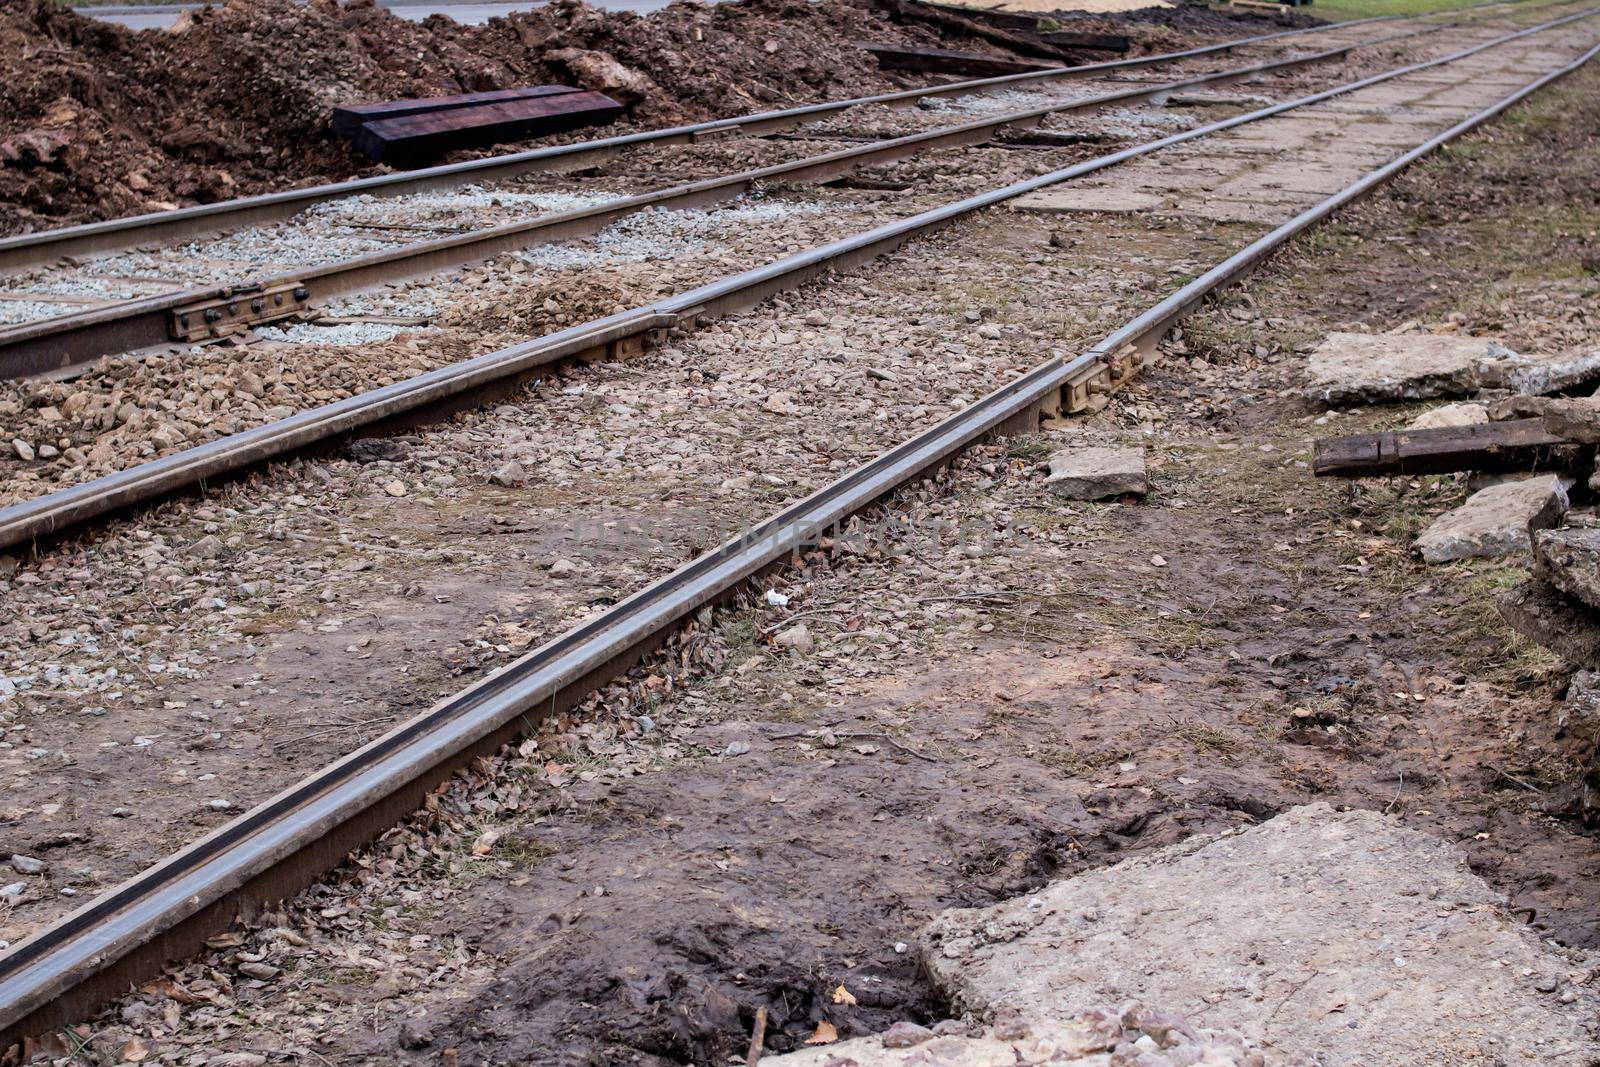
237 310
1089 390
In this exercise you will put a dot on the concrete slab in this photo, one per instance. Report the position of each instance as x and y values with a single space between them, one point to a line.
1098 473
1135 1036
1496 521
1360 368
1329 937
1064 198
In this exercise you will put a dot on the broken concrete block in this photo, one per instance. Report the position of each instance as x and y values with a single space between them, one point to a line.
1135 1036
1464 414
1359 368
1582 704
1497 521
1098 473
1570 561
1321 935
1576 418
1546 616
1536 375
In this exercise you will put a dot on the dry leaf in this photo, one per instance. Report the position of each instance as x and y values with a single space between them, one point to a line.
134 1051
485 843
844 996
826 1034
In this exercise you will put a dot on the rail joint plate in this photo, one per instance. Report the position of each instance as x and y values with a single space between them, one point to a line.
237 310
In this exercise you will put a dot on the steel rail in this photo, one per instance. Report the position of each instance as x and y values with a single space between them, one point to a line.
499 372
46 246
68 969
64 342
309 827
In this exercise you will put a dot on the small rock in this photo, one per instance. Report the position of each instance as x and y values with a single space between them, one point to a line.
736 748
416 1033
237 1059
219 804
23 449
906 1035
13 891
1098 473
508 475
396 488
797 637
1464 414
208 547
1497 521
26 864
561 568
48 451
989 332
1583 698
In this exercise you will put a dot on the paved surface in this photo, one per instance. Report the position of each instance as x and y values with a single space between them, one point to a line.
162 16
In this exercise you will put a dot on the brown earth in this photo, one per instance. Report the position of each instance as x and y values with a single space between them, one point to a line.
98 122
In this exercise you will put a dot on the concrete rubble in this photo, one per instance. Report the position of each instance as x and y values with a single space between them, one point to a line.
1358 368
1496 521
1326 936
1462 414
1098 473
1570 561
1100 1038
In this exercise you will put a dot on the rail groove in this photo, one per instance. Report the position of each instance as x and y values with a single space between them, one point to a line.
68 969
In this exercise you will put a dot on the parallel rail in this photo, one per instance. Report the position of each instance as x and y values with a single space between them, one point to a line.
70 968
67 341
497 373
47 246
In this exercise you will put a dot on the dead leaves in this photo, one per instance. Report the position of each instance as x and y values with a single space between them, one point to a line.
825 1034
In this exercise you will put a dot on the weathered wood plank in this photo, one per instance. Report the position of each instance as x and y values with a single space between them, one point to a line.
1521 444
350 118
414 138
1094 42
946 61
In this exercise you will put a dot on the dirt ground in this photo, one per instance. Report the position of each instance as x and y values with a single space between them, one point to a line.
98 122
993 688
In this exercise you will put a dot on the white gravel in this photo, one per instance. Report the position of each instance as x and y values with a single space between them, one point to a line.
15 312
353 333
659 234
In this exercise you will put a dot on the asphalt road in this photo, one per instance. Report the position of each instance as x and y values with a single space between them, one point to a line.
162 16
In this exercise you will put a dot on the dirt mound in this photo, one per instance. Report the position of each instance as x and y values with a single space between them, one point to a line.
98 122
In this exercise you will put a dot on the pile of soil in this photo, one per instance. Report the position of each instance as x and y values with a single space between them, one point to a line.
98 122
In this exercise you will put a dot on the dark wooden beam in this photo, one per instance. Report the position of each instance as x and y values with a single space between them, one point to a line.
1521 444
411 139
1093 42
347 120
946 61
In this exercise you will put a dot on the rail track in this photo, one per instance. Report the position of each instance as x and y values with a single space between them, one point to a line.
47 246
227 304
67 969
495 373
